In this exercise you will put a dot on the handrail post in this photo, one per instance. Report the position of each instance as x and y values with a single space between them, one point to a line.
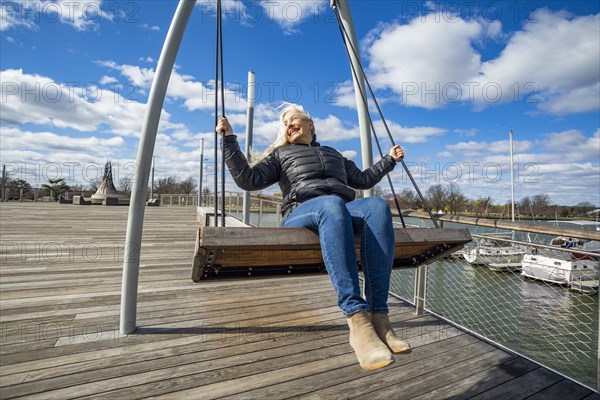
248 146
135 221
420 289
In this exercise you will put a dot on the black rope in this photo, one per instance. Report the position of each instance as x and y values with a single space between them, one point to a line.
220 22
345 36
364 99
216 155
219 72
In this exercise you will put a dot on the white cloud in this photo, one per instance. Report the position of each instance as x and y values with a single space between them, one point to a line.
421 56
195 95
288 14
151 27
552 62
560 55
11 16
107 80
332 129
562 164
16 139
344 95
403 134
36 99
349 154
573 145
29 13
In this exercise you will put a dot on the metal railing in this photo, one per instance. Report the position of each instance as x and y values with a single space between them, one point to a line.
506 301
264 210
544 322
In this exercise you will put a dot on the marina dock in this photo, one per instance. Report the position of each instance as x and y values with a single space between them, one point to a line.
60 290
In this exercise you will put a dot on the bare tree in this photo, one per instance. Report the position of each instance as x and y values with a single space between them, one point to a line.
455 199
94 185
409 199
187 186
125 185
482 205
540 204
436 197
166 185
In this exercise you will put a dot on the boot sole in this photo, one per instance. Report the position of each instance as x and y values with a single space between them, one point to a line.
401 351
381 365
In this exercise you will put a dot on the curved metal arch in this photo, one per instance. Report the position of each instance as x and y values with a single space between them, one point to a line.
135 221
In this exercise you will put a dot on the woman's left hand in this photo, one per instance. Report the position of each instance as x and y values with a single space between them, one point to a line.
397 153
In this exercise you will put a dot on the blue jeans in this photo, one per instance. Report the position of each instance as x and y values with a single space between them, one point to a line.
336 222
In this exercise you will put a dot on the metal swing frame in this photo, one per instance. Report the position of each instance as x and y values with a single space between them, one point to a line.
207 255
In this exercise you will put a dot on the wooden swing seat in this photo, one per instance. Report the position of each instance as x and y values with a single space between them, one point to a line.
249 252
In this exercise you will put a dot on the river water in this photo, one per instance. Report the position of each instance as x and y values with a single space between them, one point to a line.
544 322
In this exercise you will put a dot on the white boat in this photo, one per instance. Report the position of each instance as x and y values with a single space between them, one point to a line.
496 253
493 252
578 271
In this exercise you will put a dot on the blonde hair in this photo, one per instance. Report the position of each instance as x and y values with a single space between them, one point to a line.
281 139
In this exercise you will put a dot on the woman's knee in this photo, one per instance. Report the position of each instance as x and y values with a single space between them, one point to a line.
378 206
334 207
332 201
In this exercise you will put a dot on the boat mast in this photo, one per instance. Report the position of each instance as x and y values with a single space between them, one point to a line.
512 177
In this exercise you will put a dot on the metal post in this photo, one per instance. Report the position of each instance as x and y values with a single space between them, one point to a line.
359 87
512 178
3 188
249 132
135 222
420 289
201 173
152 179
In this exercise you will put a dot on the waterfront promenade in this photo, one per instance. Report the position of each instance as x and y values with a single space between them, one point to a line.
60 285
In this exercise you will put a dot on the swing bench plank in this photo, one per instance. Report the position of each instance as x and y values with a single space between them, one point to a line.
237 252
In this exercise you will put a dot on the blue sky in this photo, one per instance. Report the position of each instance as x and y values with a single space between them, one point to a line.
452 79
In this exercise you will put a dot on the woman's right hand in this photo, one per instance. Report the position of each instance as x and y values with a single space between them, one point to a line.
224 127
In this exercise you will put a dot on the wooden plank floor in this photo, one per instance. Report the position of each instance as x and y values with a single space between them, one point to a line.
60 282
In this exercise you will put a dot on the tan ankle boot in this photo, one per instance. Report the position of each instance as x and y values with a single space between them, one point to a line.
383 327
371 352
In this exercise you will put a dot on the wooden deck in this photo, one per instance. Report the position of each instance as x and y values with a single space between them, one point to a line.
60 281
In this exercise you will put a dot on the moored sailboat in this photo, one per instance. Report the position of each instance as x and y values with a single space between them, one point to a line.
566 261
494 250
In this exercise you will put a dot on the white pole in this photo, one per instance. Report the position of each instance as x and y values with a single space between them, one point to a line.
135 222
201 174
249 132
359 87
152 179
512 178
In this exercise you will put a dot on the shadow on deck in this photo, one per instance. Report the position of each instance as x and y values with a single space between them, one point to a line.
260 339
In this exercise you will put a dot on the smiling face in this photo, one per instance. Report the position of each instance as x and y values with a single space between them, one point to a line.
298 129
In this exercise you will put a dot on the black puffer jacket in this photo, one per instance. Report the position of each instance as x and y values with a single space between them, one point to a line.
303 172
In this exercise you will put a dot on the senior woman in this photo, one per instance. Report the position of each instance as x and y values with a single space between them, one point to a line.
318 185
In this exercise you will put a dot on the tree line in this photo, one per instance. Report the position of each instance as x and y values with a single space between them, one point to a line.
449 199
59 186
446 198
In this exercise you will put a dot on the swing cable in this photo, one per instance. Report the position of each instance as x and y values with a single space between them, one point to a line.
219 88
346 39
